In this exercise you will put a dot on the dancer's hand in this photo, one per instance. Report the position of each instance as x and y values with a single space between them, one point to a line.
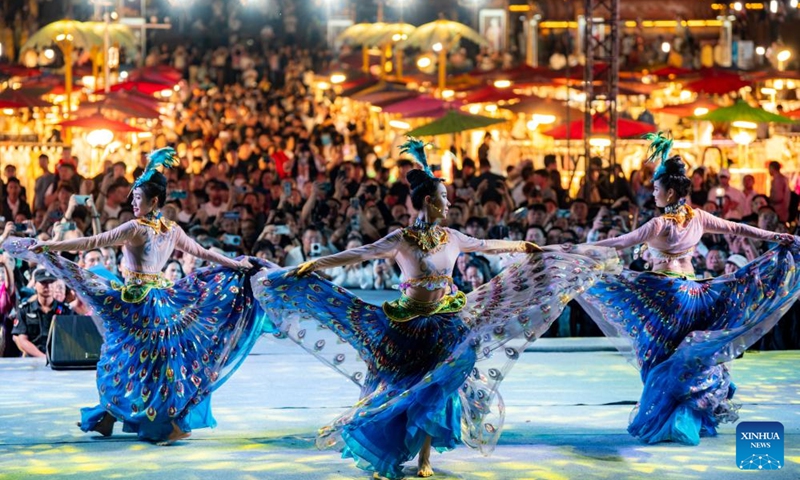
303 269
785 238
38 248
531 247
244 264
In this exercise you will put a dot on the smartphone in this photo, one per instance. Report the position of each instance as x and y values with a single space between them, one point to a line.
20 227
282 230
2 219
355 224
68 226
561 213
178 194
81 199
462 192
287 189
316 249
355 203
232 240
240 190
520 213
234 215
326 187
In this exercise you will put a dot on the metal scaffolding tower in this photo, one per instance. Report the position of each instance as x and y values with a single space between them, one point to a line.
601 71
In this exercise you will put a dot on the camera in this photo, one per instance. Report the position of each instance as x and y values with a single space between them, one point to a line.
178 194
316 250
232 240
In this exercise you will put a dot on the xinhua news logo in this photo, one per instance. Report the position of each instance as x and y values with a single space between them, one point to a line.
759 446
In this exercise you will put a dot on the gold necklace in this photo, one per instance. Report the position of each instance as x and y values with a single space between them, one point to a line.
679 213
426 236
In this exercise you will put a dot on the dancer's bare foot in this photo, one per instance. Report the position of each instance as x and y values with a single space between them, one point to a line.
174 436
105 426
425 470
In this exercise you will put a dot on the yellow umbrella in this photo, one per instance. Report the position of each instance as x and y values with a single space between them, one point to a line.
82 36
359 34
118 33
388 34
67 34
442 34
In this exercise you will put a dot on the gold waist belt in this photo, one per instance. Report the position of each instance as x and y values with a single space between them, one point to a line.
138 284
406 308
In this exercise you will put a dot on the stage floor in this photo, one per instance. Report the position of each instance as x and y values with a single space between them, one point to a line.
568 402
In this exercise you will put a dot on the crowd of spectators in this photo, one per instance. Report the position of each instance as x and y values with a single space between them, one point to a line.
271 170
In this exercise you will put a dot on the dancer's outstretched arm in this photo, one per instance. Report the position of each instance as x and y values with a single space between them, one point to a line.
117 236
386 247
186 244
471 244
712 224
642 234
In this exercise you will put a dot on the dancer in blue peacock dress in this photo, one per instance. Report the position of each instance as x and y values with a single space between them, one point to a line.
167 346
429 364
683 330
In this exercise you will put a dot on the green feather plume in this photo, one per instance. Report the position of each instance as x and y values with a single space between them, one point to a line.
166 157
416 148
659 149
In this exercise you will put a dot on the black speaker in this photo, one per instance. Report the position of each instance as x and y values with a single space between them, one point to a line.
73 343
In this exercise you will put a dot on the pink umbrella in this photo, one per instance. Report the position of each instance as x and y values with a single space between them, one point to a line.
490 94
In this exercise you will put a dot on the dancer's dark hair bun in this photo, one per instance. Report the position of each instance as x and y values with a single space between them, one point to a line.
155 187
672 174
422 185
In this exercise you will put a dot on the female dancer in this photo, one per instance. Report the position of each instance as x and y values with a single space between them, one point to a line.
421 350
167 346
683 330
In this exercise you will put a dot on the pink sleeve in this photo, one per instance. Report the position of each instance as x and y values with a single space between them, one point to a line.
712 224
471 244
184 243
386 247
636 237
117 236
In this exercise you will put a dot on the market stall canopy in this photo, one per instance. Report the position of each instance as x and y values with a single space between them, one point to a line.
98 122
600 126
454 122
794 114
742 112
11 105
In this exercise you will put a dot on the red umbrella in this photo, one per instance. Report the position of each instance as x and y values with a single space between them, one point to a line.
28 98
99 122
792 113
688 109
672 72
490 94
144 86
419 103
12 70
625 128
717 84
125 109
158 74
10 104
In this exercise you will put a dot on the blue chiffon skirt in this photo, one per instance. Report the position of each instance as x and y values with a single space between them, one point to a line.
683 331
434 375
162 357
